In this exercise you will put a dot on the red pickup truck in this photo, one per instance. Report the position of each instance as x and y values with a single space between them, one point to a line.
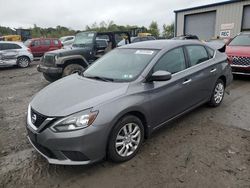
238 51
39 46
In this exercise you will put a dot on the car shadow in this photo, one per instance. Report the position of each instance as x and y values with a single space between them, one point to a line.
242 77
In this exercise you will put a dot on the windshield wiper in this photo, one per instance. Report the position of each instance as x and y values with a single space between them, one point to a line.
100 78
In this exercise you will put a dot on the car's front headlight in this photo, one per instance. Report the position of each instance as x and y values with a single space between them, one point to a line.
56 57
74 122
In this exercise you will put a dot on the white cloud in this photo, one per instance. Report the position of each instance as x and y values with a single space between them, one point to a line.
76 14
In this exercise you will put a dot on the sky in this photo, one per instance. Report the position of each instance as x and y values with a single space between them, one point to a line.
76 14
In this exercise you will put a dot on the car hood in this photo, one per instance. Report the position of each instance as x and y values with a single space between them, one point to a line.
238 51
69 51
73 94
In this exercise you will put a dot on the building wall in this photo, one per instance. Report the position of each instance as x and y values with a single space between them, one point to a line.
225 14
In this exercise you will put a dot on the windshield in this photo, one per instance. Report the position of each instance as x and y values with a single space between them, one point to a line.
83 39
241 40
121 65
27 42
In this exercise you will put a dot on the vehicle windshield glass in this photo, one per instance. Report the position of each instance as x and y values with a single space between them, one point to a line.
241 40
121 65
27 43
84 38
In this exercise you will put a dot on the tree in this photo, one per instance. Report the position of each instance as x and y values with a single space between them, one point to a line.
153 29
168 31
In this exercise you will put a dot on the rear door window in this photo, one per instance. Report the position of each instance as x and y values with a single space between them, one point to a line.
46 42
197 54
173 61
9 46
36 43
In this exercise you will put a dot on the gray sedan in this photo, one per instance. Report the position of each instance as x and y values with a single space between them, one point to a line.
122 98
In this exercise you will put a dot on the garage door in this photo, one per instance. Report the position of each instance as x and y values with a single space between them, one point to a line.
202 25
246 18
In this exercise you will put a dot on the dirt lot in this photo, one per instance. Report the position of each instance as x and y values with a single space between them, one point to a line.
209 147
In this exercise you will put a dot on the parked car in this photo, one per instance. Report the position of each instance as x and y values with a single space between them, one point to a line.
87 47
136 39
14 53
67 40
122 98
186 37
39 46
238 51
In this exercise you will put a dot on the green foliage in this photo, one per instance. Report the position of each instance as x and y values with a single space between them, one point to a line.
59 31
108 26
153 29
168 31
38 32
6 31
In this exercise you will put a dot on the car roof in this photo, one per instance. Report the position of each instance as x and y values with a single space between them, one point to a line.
245 33
161 44
12 42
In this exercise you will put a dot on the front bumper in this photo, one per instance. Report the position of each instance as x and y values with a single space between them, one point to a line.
49 70
79 147
240 70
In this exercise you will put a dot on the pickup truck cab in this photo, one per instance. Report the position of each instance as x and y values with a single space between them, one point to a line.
87 47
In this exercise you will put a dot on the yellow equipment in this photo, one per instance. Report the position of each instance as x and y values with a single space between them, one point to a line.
11 38
144 34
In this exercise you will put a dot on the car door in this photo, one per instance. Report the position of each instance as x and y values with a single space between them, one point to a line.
8 53
169 98
36 48
201 75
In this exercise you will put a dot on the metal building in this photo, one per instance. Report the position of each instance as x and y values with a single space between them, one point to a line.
225 19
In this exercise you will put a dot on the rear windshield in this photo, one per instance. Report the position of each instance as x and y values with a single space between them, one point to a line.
241 40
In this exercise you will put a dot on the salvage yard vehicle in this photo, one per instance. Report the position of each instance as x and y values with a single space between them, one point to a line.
14 53
39 46
136 39
67 40
238 51
87 47
122 98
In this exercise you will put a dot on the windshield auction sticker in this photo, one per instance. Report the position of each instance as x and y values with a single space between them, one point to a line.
144 52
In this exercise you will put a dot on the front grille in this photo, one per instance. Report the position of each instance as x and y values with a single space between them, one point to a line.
49 60
242 61
36 118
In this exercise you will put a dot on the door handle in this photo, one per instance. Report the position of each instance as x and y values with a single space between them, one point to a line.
213 70
187 81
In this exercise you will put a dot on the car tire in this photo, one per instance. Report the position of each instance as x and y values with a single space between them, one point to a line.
218 94
123 147
51 78
23 62
72 69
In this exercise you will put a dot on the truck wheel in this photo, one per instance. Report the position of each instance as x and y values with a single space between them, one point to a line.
23 62
51 78
72 69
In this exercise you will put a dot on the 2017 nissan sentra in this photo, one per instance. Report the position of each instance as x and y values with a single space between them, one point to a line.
122 98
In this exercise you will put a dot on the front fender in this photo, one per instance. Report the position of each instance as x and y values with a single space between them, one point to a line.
62 60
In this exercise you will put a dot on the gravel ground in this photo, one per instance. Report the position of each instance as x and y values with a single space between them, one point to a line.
209 147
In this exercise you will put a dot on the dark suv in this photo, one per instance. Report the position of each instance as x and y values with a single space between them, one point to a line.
87 47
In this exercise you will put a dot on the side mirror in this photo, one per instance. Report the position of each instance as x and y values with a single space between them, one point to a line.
160 76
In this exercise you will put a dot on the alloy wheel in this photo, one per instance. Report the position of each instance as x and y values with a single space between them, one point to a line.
218 93
23 62
128 139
